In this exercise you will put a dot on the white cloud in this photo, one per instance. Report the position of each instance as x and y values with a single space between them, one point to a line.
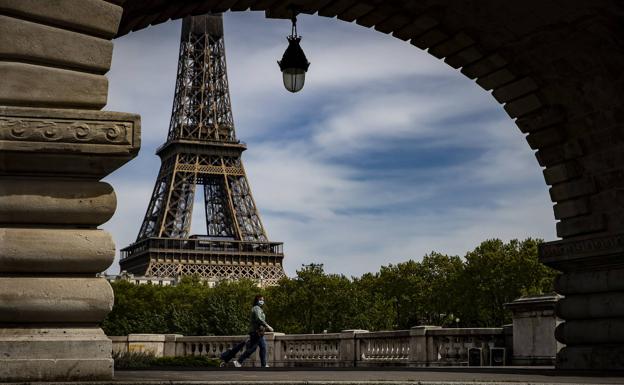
358 244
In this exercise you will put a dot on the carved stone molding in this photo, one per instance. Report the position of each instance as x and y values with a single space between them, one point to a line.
60 126
82 143
65 131
594 252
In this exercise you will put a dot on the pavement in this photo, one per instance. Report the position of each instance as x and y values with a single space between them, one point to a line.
331 376
437 376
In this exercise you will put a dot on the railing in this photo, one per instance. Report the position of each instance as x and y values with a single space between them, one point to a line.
419 346
451 346
383 348
186 245
307 350
210 346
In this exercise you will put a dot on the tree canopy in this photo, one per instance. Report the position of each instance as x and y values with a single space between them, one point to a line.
437 290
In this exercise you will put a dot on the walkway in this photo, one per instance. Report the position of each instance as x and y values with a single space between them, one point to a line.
437 376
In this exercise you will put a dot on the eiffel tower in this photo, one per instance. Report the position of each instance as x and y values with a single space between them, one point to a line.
202 149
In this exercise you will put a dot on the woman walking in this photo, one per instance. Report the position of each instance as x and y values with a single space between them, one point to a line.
257 327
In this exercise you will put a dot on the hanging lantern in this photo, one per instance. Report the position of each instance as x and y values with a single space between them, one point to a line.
294 63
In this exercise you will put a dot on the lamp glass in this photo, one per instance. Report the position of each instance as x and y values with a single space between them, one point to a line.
294 79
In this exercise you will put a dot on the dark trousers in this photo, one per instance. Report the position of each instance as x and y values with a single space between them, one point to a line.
255 341
231 353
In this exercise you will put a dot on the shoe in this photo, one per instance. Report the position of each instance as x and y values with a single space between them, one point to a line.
266 366
222 364
237 364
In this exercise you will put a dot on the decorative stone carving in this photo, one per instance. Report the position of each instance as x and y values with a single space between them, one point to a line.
65 131
596 251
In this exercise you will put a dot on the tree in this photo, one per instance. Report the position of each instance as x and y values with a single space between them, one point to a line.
434 291
496 273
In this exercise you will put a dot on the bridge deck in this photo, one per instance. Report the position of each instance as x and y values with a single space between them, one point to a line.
438 376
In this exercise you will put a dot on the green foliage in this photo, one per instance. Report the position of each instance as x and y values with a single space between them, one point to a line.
141 360
187 361
133 360
191 308
439 290
315 301
496 273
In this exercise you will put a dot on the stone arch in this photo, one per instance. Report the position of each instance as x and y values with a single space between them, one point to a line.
555 66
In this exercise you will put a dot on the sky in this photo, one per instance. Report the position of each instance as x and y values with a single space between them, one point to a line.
386 155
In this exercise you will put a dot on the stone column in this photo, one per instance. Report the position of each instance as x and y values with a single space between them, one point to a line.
349 347
421 346
274 349
534 323
592 282
170 344
55 147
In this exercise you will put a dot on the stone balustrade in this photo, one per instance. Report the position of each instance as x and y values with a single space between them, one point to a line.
451 346
419 346
383 348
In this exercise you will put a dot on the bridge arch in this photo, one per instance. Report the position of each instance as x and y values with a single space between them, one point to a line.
554 66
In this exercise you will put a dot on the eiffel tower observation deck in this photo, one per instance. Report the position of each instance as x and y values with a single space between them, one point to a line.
202 149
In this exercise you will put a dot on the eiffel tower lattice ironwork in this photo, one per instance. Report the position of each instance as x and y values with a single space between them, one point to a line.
202 149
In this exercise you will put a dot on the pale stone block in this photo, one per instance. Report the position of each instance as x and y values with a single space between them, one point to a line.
422 351
66 202
97 17
32 250
534 323
52 369
61 343
54 299
120 344
24 40
39 86
170 344
349 347
54 353
147 343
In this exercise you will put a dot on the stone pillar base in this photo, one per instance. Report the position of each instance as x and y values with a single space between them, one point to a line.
54 354
599 357
592 282
52 201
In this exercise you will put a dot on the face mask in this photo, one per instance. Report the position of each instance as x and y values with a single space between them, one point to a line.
261 302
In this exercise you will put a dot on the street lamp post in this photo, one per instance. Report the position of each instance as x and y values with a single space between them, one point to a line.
294 63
